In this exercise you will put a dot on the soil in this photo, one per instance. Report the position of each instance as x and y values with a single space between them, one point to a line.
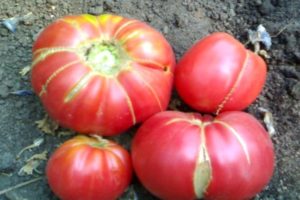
183 22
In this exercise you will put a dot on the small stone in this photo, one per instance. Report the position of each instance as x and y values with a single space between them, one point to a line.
297 56
39 1
10 82
109 4
19 104
97 10
6 161
232 12
223 16
258 2
4 32
150 17
291 40
140 4
2 102
181 20
1 73
266 7
52 1
165 29
291 73
29 20
295 90
215 15
4 92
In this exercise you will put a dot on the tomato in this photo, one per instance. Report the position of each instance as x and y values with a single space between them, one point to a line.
102 74
89 168
186 156
219 74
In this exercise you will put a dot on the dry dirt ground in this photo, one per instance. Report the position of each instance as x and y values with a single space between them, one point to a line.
183 22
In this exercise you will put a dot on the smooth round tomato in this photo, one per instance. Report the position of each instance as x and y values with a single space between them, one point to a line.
102 74
187 156
89 168
219 74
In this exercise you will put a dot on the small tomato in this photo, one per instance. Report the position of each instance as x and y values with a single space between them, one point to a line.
89 168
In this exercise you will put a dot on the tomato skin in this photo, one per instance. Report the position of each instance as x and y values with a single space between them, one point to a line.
219 74
81 169
83 94
190 156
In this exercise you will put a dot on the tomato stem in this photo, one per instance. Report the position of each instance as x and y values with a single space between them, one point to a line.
101 142
105 57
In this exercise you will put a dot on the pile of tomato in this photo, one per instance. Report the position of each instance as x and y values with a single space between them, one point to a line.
100 75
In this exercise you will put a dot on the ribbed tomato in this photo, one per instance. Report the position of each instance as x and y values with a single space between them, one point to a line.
186 156
89 168
102 74
219 74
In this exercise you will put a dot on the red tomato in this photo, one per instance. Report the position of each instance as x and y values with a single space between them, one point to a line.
102 74
219 74
90 169
180 156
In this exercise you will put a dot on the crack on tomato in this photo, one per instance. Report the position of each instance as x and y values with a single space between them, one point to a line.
175 120
128 100
238 137
133 35
192 121
152 91
107 58
203 170
152 64
54 74
202 176
45 52
123 26
235 85
84 81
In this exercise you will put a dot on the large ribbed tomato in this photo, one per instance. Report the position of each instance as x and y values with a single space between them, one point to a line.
102 74
186 156
219 74
90 169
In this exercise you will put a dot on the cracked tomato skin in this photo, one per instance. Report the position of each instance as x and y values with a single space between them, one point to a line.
187 156
89 168
102 74
219 74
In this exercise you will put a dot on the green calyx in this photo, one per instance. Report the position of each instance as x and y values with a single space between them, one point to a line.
105 58
99 142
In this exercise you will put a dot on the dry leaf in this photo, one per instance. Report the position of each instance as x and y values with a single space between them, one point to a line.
32 164
47 125
39 156
37 142
25 70
268 120
29 167
65 133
